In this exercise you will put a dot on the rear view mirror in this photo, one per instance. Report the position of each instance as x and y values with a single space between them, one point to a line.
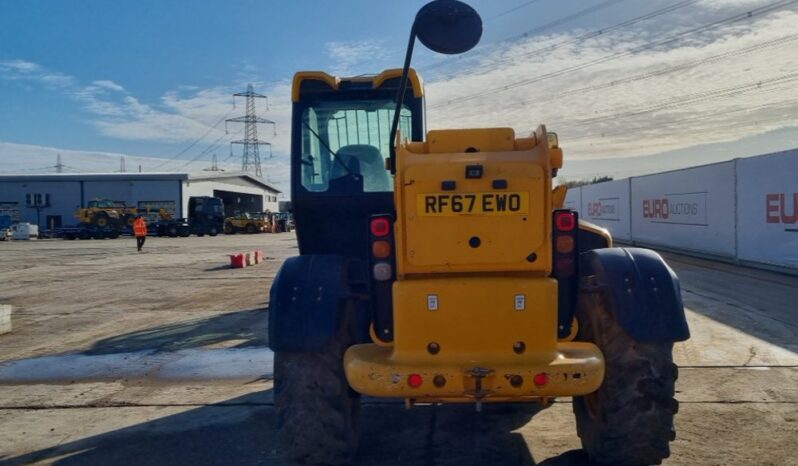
448 26
443 26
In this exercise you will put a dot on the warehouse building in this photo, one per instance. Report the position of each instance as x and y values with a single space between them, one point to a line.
51 200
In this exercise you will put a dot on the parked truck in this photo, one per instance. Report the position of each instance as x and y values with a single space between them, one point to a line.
205 217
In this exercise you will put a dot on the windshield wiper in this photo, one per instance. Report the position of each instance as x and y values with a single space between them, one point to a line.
334 154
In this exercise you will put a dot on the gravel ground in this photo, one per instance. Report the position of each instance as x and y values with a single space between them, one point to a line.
81 304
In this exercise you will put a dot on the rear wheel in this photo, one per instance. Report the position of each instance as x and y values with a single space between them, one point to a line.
629 419
172 231
316 409
185 232
213 231
102 220
250 228
229 229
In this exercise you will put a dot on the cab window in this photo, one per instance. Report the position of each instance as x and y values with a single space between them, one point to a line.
349 139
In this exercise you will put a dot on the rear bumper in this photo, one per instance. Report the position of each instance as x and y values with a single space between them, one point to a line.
576 369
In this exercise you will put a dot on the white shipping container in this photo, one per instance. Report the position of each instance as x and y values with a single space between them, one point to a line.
607 205
691 209
767 200
573 199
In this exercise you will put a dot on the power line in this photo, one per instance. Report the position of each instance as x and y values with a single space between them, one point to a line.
195 142
507 12
689 99
591 34
664 71
703 116
539 29
673 38
213 146
652 146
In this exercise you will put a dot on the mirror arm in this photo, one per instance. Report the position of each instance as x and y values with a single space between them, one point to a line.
400 98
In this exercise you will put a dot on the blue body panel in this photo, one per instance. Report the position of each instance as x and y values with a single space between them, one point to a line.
642 292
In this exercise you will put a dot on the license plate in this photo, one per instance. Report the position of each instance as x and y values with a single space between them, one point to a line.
451 204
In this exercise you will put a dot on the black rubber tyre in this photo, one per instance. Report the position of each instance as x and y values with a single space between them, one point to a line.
184 232
213 231
229 229
102 220
629 419
250 228
316 410
172 232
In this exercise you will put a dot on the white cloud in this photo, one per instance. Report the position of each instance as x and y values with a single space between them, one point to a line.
110 85
349 55
725 4
181 115
652 113
19 65
602 108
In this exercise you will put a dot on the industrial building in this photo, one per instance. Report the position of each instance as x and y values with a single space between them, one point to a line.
50 200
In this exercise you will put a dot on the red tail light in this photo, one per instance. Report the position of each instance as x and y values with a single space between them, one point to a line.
414 380
565 220
541 379
380 226
381 247
564 241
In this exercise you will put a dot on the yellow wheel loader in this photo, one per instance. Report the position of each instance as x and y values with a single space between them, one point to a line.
441 267
105 214
247 222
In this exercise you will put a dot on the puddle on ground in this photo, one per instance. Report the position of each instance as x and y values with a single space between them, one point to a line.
188 364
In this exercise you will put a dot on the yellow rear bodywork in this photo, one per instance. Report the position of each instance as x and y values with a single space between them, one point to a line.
474 308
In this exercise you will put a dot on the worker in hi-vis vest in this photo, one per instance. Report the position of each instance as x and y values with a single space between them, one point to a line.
140 231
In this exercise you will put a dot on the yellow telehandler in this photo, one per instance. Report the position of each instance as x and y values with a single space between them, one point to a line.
441 267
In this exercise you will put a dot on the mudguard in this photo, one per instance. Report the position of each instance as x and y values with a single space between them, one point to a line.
643 293
306 299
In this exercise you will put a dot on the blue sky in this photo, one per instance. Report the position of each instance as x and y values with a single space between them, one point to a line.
147 78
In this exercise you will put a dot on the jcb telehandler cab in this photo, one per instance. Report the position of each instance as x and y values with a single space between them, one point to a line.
445 269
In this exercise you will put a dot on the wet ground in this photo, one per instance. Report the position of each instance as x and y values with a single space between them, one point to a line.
160 358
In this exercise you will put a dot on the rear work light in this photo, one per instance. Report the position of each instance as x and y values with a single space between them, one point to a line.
380 227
